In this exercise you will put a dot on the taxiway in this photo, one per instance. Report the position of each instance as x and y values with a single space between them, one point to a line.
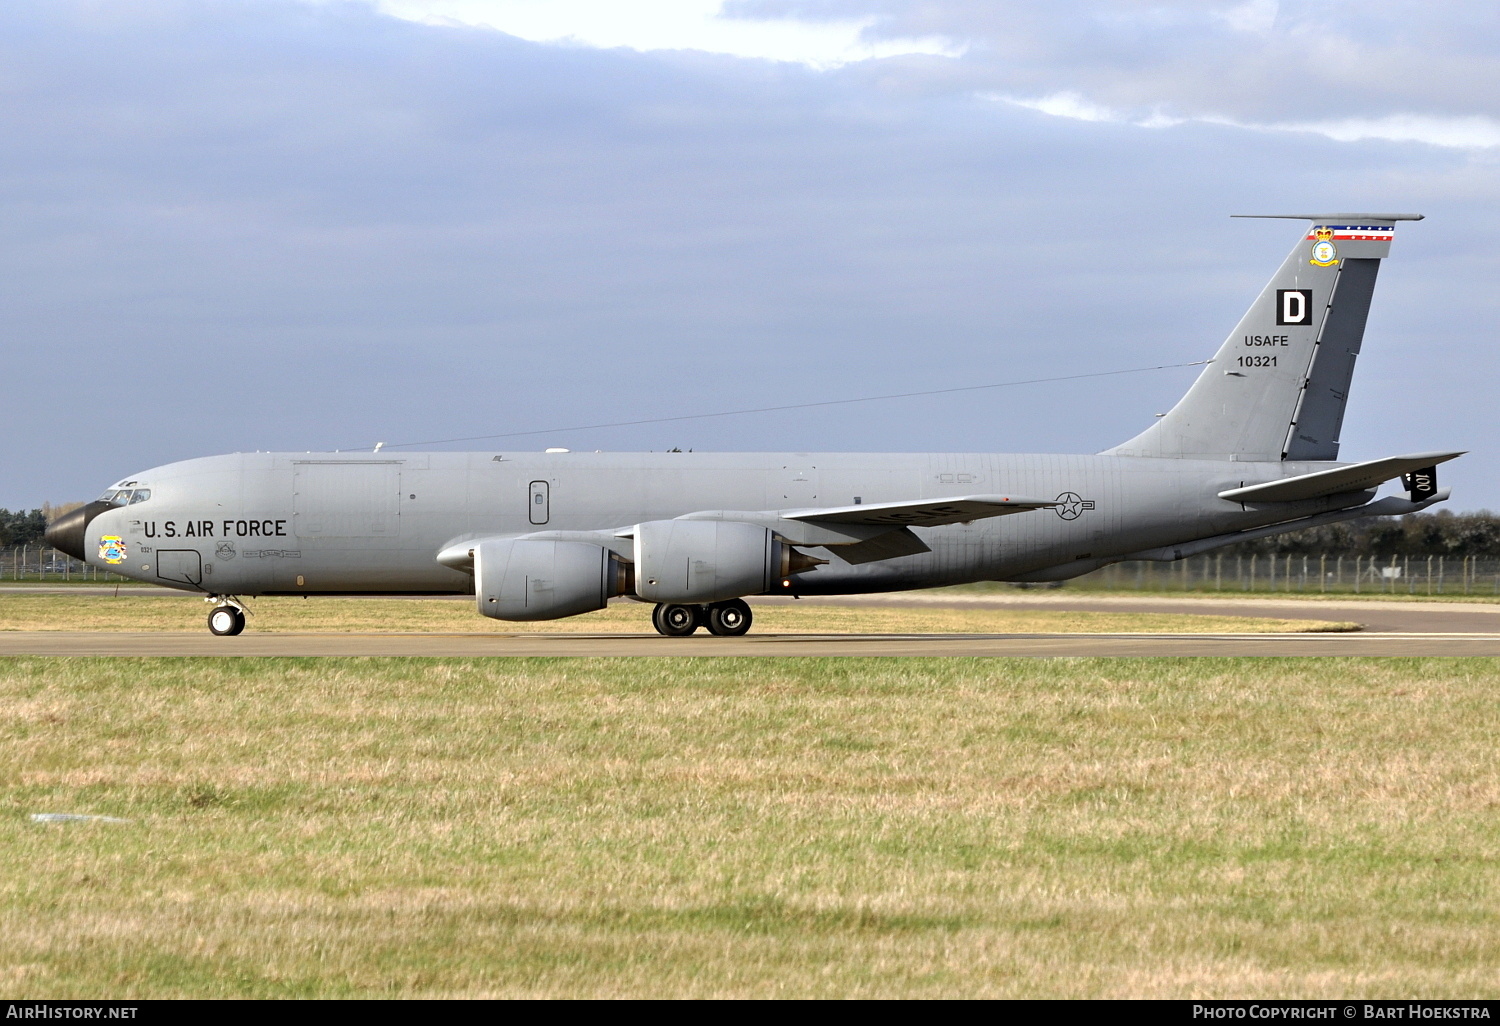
79 643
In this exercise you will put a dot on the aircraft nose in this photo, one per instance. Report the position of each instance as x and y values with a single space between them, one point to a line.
65 534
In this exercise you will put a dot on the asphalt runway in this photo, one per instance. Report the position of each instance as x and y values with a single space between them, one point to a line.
1412 617
1391 628
79 643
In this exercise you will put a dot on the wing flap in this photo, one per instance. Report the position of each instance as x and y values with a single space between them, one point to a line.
886 545
1356 477
921 512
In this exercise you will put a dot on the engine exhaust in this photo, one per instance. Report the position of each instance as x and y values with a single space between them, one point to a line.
794 562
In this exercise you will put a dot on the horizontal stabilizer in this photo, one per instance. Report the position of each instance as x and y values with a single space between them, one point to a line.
921 513
1391 506
1336 217
1356 477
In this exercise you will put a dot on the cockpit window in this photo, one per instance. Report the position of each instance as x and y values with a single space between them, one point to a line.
125 496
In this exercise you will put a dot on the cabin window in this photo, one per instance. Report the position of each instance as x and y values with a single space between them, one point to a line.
537 511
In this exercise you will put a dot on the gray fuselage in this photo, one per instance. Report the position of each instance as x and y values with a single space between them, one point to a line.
329 523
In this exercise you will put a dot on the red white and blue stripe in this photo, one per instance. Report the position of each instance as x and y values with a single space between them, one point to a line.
1351 232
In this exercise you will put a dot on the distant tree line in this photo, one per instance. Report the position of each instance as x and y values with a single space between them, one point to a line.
23 527
1421 534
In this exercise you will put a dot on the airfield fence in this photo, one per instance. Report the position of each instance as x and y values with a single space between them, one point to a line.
1354 575
1397 575
46 564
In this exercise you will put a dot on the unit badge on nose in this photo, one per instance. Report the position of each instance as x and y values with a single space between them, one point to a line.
112 549
224 550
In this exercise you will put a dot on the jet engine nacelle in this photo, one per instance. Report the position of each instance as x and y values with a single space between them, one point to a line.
696 561
534 579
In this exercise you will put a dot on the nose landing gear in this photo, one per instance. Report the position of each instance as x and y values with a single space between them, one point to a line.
227 617
724 619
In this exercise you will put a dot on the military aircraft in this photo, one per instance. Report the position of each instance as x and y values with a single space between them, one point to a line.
1251 450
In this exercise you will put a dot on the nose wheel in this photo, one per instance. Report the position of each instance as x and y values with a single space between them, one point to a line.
226 620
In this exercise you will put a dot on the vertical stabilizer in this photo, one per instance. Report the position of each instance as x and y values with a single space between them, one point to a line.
1278 386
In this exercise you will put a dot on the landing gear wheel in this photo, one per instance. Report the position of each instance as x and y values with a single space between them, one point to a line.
729 619
676 621
226 621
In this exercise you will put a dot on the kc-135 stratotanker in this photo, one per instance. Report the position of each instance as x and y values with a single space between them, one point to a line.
1250 451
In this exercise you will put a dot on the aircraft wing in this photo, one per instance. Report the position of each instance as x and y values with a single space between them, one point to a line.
1356 477
856 534
921 512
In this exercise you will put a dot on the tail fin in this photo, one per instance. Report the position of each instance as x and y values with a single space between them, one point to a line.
1277 387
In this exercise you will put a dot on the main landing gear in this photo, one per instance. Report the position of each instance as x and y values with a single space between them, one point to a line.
227 617
725 619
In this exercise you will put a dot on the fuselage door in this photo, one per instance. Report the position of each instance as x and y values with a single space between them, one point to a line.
537 504
182 565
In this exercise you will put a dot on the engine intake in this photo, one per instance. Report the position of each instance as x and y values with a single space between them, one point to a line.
533 579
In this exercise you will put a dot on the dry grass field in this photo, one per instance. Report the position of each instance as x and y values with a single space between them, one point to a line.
1088 589
170 612
755 827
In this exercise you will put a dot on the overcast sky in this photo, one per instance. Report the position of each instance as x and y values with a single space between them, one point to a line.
303 224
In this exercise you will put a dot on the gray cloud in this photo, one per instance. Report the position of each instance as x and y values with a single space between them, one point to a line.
259 224
1299 61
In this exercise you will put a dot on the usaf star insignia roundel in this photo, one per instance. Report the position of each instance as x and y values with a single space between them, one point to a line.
1073 505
